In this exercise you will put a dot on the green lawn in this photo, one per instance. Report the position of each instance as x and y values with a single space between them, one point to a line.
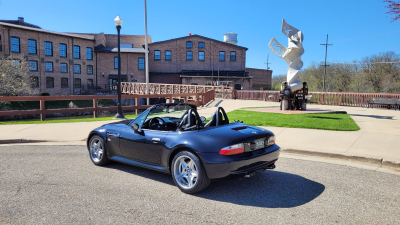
323 121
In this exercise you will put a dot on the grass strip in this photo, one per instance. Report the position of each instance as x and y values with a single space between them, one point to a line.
322 121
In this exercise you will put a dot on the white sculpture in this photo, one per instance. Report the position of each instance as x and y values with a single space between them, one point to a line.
291 54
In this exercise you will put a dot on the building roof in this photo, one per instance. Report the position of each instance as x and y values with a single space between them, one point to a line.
83 36
20 22
196 35
128 50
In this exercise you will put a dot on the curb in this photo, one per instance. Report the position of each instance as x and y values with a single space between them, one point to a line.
362 159
14 141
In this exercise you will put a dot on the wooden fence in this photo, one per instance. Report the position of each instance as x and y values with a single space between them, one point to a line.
194 98
133 88
323 98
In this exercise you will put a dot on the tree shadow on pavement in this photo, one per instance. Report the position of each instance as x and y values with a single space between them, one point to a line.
270 189
374 116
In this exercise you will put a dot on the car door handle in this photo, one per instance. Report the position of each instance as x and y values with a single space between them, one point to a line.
155 140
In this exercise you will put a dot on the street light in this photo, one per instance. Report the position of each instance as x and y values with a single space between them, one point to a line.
119 115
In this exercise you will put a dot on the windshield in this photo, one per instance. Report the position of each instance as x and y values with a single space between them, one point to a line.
168 113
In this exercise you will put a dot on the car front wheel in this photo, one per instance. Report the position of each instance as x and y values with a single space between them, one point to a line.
188 173
97 151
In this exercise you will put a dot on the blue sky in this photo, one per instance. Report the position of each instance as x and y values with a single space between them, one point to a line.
356 28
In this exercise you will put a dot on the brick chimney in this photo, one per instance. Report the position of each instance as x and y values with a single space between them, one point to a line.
20 19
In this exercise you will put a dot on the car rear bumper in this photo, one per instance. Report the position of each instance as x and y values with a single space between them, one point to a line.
240 166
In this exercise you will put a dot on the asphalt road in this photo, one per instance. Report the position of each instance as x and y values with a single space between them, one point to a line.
60 185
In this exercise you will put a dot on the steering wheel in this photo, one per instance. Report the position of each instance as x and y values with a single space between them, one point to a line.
154 124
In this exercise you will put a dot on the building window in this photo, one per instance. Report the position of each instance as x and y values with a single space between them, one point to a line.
34 81
14 44
115 62
16 63
89 53
233 56
33 65
201 44
32 46
89 69
49 82
157 55
221 56
49 66
77 83
167 55
63 50
77 68
63 68
64 82
48 48
189 55
201 56
77 52
189 44
90 82
141 63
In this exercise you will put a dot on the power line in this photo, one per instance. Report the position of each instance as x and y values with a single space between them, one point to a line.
326 53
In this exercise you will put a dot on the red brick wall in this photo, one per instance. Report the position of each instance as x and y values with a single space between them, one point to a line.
261 78
211 50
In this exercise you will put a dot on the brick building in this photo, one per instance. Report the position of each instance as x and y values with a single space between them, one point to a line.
195 59
71 63
262 79
75 63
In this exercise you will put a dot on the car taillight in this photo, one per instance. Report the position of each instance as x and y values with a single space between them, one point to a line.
270 141
232 149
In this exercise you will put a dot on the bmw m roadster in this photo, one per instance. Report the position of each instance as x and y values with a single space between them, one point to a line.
174 139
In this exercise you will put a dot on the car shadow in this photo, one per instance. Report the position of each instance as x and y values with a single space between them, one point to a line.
269 189
143 172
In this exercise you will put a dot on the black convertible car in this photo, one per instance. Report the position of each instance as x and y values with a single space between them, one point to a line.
174 139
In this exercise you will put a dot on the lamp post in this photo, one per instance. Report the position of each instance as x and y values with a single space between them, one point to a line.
119 115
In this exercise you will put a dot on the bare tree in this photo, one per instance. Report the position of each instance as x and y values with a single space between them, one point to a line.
14 76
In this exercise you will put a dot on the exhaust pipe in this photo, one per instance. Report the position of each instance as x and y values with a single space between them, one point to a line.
250 174
269 167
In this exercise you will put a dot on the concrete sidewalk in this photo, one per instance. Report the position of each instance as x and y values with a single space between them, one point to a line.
378 139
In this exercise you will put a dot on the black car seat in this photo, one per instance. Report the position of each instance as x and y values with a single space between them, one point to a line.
190 120
218 118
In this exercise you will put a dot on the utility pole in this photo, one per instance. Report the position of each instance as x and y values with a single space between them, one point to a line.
267 62
326 53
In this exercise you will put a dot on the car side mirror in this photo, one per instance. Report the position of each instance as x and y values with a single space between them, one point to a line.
135 127
202 118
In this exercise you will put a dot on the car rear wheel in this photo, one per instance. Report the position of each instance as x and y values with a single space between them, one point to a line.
97 151
188 173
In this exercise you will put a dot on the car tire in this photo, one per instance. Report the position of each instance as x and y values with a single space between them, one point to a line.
188 173
97 151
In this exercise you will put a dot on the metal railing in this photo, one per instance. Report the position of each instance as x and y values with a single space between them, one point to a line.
133 88
323 98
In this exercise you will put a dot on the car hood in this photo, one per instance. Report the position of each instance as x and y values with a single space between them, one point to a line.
237 131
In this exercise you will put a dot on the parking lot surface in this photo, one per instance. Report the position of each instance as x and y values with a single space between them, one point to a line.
60 185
